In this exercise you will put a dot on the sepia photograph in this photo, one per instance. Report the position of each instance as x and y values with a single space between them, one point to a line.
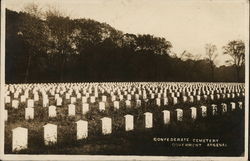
124 79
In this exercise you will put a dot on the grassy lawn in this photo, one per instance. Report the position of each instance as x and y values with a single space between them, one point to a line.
228 128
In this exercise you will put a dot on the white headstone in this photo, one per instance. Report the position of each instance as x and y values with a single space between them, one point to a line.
56 96
15 104
82 129
106 125
84 99
148 120
129 122
102 106
128 103
121 97
71 109
152 96
30 103
175 101
128 97
92 99
113 98
233 106
198 97
158 101
36 97
184 98
104 98
116 104
85 108
52 111
45 102
29 113
137 97
179 114
214 109
50 134
67 96
73 100
19 139
203 111
7 99
138 103
224 107
23 98
193 113
78 95
240 105
59 101
165 101
212 97
191 98
166 116
16 95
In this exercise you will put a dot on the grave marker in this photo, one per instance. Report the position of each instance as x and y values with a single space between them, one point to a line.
129 122
240 105
29 113
166 116
30 103
71 109
50 134
52 111
19 139
193 113
148 120
179 114
15 104
214 109
116 104
203 111
82 129
102 106
85 108
106 125
224 107
158 101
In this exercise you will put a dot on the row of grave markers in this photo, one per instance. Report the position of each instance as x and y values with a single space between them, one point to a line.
92 99
115 91
20 134
29 111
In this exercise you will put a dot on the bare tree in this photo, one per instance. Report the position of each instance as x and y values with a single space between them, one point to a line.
33 9
211 55
236 49
185 55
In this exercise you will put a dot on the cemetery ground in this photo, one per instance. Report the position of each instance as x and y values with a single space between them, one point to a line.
227 127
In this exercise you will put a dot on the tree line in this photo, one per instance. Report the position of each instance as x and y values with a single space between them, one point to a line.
51 47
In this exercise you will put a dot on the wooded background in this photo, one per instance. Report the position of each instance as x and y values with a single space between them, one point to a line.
56 48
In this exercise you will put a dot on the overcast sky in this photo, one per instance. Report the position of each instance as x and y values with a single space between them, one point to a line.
188 25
